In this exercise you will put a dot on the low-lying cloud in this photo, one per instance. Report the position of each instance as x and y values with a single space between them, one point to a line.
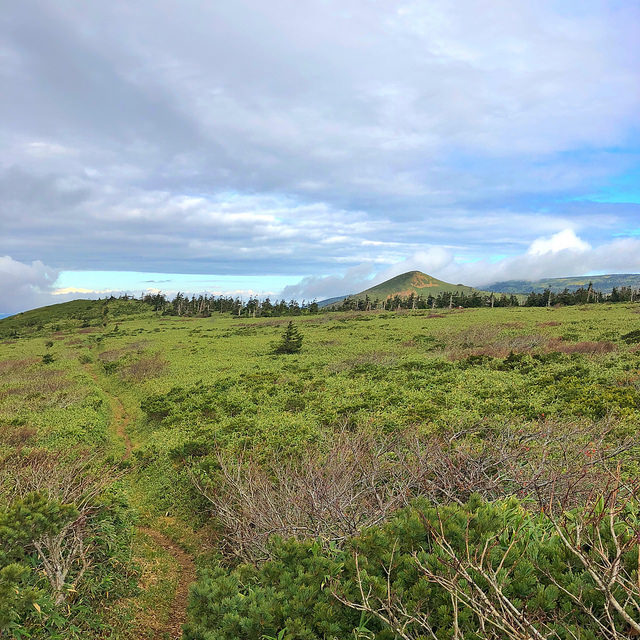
562 254
23 286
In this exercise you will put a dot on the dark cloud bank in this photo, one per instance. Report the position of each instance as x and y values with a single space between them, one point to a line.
314 138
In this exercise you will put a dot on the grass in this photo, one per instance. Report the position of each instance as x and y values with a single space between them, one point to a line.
216 382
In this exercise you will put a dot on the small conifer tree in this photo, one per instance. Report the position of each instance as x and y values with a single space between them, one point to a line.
291 340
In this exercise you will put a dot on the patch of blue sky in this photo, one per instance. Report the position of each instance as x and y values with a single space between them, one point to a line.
624 189
617 197
626 233
134 281
467 259
471 259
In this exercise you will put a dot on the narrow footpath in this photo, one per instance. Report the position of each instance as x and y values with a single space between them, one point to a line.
186 574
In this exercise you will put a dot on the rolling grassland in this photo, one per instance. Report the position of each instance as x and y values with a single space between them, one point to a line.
190 453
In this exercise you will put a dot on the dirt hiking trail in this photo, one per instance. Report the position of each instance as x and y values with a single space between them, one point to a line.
186 574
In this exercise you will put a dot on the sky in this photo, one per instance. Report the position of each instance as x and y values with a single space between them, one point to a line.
311 148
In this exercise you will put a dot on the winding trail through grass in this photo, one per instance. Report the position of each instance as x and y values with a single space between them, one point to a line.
186 574
120 419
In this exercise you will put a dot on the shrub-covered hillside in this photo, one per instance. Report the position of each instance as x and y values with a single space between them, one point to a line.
338 489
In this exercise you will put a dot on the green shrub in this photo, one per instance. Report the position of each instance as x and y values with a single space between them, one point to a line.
632 337
313 591
21 523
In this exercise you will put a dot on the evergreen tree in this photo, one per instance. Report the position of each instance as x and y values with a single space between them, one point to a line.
291 340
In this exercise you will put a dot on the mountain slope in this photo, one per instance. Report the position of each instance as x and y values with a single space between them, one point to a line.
411 282
66 315
603 283
329 301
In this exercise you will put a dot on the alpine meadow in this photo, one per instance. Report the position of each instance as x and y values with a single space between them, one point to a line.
395 474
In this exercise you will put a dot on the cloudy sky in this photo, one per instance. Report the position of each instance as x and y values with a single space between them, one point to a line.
313 146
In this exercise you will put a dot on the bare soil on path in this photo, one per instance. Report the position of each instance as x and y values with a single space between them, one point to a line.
120 419
186 575
177 615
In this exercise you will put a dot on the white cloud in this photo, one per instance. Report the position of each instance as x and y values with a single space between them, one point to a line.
565 240
63 291
24 286
562 254
45 149
571 258
251 138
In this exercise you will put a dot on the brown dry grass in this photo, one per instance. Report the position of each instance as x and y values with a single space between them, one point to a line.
328 343
8 367
490 341
146 367
16 436
588 348
275 322
44 388
629 380
111 355
380 358
485 341
138 345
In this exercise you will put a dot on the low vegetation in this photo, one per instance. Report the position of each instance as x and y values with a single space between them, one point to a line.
455 475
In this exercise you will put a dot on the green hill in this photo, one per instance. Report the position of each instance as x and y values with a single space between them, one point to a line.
69 315
603 283
329 301
411 282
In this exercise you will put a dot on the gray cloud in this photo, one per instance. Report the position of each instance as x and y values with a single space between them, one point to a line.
25 285
354 280
310 138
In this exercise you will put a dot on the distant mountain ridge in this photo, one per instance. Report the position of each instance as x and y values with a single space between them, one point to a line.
420 283
404 285
330 301
604 283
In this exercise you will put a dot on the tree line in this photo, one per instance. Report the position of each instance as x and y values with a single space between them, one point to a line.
457 299
204 305
583 295
445 299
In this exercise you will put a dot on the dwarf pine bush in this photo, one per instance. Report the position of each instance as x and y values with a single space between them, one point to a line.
474 571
